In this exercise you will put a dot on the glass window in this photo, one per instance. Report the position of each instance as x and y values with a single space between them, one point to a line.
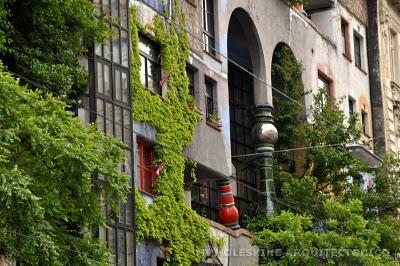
162 6
208 26
150 70
364 122
190 75
146 166
357 50
112 115
210 111
324 86
393 55
352 106
344 38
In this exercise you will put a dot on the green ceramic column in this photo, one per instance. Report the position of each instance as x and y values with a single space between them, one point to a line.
265 135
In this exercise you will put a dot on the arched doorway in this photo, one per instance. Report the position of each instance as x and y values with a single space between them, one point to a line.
245 50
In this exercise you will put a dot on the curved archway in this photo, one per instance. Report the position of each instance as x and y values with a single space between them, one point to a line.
245 49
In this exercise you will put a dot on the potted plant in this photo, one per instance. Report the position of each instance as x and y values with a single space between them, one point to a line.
213 120
299 4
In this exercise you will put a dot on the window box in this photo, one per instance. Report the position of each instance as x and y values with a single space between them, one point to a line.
214 123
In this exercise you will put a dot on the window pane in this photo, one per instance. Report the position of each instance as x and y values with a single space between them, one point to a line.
100 115
149 48
118 90
107 85
210 23
121 248
115 45
111 244
143 70
114 8
127 131
109 119
148 181
153 72
130 248
128 164
122 211
125 89
118 122
100 87
123 14
106 6
124 48
129 210
107 49
98 49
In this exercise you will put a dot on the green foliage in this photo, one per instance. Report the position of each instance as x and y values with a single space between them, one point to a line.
345 238
168 220
320 213
43 41
48 201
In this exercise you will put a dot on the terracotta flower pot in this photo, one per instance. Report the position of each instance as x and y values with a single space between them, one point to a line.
298 6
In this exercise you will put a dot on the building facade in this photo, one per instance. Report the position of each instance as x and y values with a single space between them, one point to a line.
385 16
232 46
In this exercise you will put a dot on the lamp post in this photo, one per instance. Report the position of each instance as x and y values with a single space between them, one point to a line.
265 135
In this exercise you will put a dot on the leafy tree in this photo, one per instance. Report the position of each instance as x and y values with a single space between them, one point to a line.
319 211
49 203
43 41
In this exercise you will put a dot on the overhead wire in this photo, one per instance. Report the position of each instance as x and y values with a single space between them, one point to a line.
241 67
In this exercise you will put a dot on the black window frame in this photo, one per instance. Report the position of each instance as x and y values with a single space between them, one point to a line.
119 235
155 61
352 105
209 32
161 8
210 99
364 122
190 73
357 42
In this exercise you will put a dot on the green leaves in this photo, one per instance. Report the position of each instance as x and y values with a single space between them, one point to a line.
44 40
169 220
47 195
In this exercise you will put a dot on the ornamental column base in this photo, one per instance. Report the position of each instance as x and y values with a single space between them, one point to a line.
228 213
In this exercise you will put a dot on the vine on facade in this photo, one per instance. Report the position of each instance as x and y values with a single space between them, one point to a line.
168 220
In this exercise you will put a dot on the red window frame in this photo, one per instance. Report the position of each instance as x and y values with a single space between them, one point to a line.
147 170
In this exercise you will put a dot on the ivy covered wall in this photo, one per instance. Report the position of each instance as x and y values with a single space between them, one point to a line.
168 220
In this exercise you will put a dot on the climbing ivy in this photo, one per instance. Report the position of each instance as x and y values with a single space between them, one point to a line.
168 220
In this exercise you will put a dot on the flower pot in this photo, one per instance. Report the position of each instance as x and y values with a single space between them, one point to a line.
298 6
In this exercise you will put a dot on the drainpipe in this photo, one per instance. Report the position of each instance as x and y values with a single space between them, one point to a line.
265 135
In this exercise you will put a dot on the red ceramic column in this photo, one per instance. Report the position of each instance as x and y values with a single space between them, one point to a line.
228 213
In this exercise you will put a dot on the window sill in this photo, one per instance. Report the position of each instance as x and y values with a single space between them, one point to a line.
146 193
214 124
348 57
362 70
213 56
192 2
196 110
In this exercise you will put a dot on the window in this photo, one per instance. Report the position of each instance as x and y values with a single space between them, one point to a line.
364 122
190 75
344 38
352 106
357 50
210 101
208 26
324 86
110 99
147 168
393 56
162 6
150 69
